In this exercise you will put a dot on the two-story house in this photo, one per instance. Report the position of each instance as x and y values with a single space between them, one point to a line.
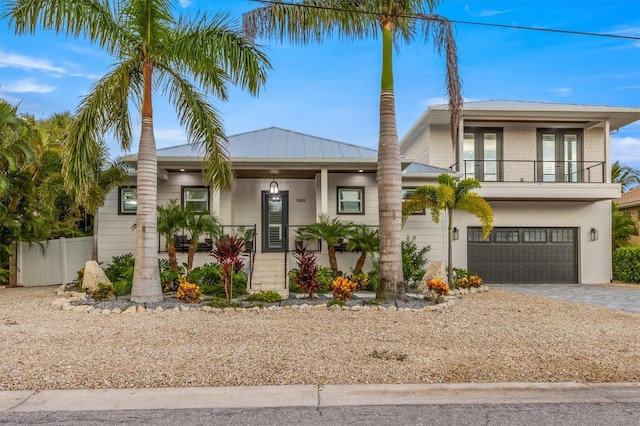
545 170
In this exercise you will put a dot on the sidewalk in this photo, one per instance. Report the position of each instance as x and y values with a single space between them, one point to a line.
312 396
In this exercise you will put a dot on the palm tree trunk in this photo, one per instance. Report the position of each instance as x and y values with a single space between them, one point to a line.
360 262
391 284
333 262
94 254
191 253
173 259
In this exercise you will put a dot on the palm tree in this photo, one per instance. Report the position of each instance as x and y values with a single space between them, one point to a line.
450 195
329 230
367 240
397 21
198 223
185 59
622 228
626 176
171 219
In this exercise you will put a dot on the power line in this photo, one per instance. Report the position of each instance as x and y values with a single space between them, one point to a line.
436 18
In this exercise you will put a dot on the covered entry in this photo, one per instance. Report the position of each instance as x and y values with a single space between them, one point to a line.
524 255
275 219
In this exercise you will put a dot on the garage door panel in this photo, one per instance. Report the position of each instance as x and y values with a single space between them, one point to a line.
548 256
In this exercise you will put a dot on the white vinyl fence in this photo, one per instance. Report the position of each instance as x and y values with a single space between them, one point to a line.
58 263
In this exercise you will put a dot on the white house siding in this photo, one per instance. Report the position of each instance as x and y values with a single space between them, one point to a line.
441 152
582 215
115 236
366 180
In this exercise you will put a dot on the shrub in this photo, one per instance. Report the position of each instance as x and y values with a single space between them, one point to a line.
206 275
222 302
268 296
336 302
227 251
626 264
361 279
169 277
466 279
305 275
441 288
239 286
120 273
413 261
103 292
293 284
188 292
342 288
324 276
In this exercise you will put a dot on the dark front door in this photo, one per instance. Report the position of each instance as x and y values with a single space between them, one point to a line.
275 217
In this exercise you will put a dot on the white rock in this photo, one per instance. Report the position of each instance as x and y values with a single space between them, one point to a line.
93 275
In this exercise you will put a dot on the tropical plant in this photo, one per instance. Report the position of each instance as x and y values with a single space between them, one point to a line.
329 230
269 296
188 60
397 21
626 176
227 251
413 260
626 264
102 292
305 275
171 220
188 292
199 223
206 275
450 195
622 228
365 239
439 287
342 288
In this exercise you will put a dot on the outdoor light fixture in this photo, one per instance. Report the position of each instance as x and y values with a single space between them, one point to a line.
594 234
456 233
273 187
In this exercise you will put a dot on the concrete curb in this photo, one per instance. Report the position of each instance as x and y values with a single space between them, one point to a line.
313 396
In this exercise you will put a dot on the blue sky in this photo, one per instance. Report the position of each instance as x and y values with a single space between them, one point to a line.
332 89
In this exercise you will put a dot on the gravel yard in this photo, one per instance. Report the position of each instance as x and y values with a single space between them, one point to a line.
496 336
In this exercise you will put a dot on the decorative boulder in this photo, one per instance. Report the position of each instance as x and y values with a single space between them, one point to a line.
435 269
93 275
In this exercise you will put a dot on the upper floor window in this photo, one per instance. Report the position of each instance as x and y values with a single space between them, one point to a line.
559 155
127 200
351 200
196 197
482 153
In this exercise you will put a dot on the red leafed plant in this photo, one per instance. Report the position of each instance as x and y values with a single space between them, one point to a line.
227 251
305 275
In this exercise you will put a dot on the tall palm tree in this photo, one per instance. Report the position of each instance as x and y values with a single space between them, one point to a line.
626 176
450 195
185 59
396 21
329 230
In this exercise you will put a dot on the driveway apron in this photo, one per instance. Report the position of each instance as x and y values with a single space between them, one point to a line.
626 299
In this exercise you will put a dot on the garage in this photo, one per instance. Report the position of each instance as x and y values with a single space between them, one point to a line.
524 255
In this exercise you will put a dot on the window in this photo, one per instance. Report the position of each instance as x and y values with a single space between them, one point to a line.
127 200
534 235
475 235
196 197
408 192
559 155
506 235
482 154
350 200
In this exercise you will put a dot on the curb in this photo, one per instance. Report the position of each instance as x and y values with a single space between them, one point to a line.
317 396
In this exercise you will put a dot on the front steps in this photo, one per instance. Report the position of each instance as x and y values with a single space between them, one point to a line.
269 273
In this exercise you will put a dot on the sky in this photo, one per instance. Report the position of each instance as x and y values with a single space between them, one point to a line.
332 89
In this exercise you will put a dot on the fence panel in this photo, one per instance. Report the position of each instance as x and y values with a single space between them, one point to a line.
56 264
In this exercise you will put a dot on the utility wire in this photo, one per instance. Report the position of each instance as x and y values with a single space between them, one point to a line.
436 18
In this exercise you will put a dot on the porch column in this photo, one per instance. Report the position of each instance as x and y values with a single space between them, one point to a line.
215 203
324 191
607 152
458 153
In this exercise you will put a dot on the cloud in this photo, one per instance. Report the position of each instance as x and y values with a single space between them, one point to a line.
625 149
562 91
11 60
185 3
27 86
488 12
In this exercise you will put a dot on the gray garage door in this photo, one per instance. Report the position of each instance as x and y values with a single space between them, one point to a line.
524 255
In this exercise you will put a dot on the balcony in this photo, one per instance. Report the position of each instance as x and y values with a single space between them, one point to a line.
541 180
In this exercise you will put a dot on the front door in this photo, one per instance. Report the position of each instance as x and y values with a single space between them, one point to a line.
275 217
